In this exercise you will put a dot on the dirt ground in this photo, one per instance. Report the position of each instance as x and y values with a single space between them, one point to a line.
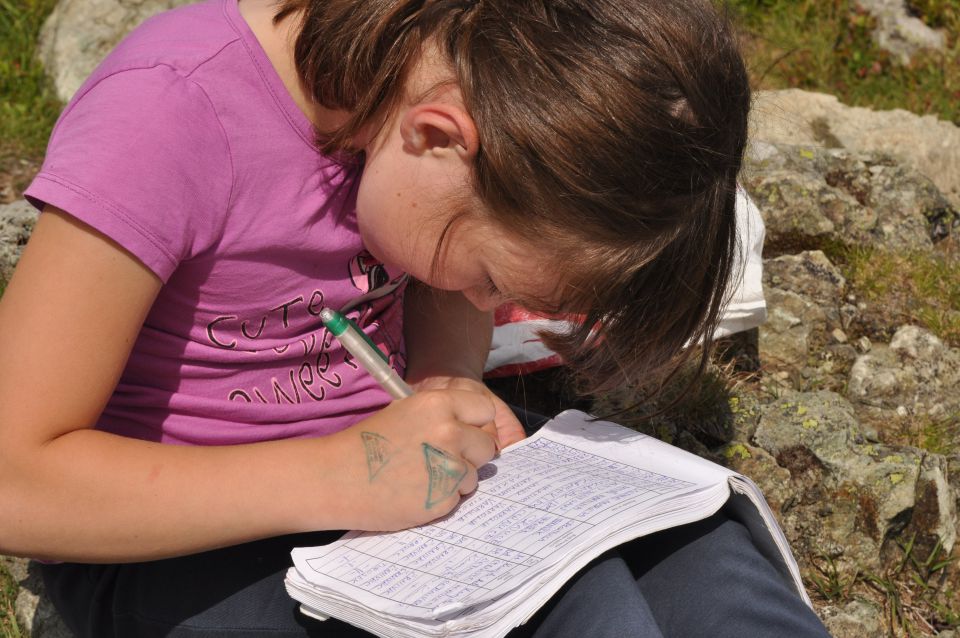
15 175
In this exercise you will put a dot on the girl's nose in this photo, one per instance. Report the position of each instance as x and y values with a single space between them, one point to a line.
480 297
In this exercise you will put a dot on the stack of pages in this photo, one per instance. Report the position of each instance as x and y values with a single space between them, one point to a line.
543 509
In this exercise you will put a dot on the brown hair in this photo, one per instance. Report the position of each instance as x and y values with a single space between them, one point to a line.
611 131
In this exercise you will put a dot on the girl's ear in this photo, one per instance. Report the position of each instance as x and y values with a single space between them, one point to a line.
437 127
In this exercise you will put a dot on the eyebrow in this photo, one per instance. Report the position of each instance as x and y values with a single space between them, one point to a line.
533 303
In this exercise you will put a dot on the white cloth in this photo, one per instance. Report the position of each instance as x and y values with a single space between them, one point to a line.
516 348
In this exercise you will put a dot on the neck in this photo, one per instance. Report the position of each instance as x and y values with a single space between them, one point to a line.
278 41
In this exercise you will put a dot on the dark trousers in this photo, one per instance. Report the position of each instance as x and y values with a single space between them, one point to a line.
702 579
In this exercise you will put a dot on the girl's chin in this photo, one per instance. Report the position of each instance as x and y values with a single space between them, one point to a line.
398 263
392 265
380 255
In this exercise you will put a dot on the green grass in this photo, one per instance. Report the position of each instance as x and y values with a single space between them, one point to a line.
922 288
28 105
914 592
938 435
8 597
829 581
826 46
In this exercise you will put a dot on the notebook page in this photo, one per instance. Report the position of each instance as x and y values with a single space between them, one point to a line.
535 504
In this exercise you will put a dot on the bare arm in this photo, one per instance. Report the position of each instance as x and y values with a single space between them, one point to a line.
448 340
445 334
68 320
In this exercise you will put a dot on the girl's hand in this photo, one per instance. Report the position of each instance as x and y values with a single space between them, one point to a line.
411 462
448 341
505 425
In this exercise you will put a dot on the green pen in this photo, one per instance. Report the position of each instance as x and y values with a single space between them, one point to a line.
358 344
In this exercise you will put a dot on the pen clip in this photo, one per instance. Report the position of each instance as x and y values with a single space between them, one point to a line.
368 340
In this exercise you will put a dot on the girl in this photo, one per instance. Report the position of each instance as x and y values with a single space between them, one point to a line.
169 398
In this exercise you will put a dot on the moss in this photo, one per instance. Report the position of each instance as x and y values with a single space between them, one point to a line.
737 450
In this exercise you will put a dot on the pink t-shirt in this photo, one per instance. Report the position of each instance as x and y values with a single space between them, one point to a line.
186 149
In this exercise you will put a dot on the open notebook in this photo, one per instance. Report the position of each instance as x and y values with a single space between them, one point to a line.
543 509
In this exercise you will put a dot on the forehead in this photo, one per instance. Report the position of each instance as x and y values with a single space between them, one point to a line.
533 273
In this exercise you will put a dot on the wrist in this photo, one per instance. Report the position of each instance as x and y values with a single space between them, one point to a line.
333 483
423 373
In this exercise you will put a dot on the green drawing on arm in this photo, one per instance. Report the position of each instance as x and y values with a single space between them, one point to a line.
443 472
379 451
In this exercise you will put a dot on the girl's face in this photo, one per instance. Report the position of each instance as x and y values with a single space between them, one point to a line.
402 211
416 181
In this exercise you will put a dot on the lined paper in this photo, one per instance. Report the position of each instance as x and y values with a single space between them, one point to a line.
531 503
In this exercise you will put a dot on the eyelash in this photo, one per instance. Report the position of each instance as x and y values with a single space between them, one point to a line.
492 288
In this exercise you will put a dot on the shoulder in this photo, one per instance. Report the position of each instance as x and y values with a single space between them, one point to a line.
134 103
182 41
156 72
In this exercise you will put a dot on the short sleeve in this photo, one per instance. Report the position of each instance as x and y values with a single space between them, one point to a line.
141 157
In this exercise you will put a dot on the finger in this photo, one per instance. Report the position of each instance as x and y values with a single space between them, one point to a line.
446 473
509 430
509 434
470 480
471 408
491 429
478 446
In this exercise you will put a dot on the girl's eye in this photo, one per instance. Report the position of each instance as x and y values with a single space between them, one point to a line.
492 289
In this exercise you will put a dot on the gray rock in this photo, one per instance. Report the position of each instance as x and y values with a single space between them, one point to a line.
900 33
953 476
934 516
916 372
925 143
809 196
795 326
822 422
810 435
856 619
16 224
761 466
80 33
805 335
808 273
798 204
35 614
847 497
745 411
